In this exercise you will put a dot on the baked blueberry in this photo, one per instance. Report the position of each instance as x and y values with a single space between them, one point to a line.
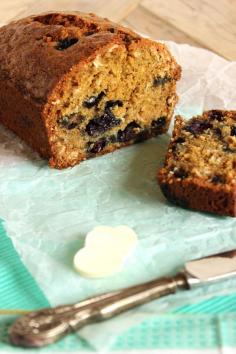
181 173
96 147
158 123
218 132
93 100
106 121
197 127
216 115
159 81
113 103
179 140
66 43
101 124
218 179
129 133
233 131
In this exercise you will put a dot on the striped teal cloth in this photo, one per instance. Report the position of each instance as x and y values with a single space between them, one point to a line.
17 287
207 325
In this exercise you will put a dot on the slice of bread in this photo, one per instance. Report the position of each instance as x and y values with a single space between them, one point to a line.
200 167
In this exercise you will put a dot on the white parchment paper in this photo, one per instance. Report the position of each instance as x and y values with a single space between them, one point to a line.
48 212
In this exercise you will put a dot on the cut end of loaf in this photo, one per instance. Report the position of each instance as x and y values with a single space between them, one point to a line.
124 95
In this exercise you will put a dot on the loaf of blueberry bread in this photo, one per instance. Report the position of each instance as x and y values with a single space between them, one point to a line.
200 167
74 85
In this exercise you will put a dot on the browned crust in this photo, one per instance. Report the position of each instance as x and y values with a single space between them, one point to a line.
25 42
193 193
23 117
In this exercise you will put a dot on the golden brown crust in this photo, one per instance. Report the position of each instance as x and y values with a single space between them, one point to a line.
192 194
188 190
27 48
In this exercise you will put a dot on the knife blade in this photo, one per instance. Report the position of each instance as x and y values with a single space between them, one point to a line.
210 269
46 326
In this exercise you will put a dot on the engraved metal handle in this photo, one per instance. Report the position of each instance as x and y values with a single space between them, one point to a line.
46 326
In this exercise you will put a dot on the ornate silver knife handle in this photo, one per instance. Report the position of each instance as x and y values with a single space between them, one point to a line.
46 326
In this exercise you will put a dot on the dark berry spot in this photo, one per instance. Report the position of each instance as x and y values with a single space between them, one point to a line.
112 30
72 126
181 173
179 140
113 139
127 38
113 103
89 33
66 43
101 124
160 122
93 100
129 133
93 27
106 121
70 122
218 132
227 149
143 135
216 115
196 126
233 131
175 143
63 121
159 81
96 147
158 125
218 179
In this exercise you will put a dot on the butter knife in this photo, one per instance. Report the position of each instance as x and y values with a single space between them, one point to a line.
46 326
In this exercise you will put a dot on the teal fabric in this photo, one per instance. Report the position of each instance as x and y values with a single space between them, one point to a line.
17 287
209 324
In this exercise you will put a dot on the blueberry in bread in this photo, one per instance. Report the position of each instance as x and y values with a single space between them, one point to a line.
200 167
74 85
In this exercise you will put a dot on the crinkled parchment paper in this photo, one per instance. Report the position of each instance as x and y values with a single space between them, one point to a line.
48 212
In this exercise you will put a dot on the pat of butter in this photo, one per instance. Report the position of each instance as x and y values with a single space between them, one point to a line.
105 251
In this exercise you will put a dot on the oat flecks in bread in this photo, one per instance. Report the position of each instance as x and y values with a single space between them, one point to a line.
200 167
75 85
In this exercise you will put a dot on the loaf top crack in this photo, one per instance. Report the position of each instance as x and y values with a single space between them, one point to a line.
36 52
